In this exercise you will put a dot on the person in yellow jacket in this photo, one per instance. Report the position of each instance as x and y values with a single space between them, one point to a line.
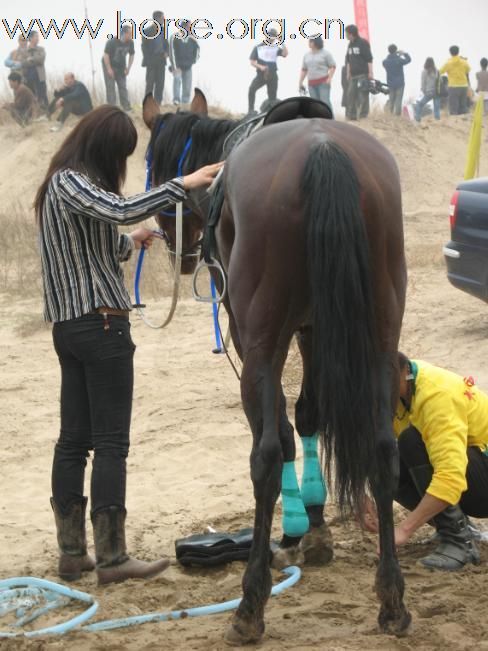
457 69
442 428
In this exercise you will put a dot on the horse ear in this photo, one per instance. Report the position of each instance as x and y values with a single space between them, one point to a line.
199 104
150 111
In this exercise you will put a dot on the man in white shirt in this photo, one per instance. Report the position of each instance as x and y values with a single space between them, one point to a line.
264 58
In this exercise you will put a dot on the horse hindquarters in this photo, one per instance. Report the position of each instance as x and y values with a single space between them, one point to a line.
353 379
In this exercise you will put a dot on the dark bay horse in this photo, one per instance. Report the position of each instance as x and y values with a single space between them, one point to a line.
311 239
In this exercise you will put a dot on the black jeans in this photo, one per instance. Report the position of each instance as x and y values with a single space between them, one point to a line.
474 501
155 76
270 80
97 377
69 106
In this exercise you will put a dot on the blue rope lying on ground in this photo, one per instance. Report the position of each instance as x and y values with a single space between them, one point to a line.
24 593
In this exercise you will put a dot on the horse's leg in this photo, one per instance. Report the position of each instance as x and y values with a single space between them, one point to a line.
317 543
261 398
393 617
295 519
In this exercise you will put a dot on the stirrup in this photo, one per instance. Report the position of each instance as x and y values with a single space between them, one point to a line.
214 264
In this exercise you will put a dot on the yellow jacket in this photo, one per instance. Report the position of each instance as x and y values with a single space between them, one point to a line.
457 70
451 414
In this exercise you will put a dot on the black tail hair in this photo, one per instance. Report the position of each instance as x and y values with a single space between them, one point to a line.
343 318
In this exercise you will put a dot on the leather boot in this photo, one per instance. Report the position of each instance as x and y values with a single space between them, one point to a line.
456 545
114 565
71 534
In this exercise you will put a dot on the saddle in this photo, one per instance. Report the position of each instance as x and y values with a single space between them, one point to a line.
292 108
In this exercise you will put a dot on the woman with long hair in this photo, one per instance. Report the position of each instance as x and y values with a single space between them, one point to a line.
430 90
79 207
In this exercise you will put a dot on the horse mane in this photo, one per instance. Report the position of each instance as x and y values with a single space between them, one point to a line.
170 134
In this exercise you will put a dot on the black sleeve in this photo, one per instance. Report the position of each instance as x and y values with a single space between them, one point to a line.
110 47
75 92
366 48
348 58
132 50
254 54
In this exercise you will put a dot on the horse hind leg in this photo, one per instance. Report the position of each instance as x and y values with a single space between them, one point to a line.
295 519
394 617
261 393
317 544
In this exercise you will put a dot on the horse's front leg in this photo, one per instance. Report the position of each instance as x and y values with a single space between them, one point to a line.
393 618
261 393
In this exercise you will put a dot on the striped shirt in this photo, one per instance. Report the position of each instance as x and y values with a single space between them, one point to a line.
81 248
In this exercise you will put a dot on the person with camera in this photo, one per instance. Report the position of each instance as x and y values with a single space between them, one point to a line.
359 64
395 77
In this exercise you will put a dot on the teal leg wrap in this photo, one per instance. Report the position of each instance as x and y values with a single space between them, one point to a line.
314 488
295 518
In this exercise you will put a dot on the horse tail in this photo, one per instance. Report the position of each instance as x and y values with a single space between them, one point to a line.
343 318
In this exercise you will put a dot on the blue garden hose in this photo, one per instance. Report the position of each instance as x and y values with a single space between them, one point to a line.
22 593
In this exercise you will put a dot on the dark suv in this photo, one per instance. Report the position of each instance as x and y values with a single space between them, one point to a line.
467 253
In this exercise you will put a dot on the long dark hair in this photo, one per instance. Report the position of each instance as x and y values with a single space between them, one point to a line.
430 64
98 146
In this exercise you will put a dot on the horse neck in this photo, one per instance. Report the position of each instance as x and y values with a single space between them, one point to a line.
209 137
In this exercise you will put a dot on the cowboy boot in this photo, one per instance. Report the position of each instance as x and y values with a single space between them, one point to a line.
71 534
456 546
114 565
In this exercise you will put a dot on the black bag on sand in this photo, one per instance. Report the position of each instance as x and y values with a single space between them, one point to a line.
209 550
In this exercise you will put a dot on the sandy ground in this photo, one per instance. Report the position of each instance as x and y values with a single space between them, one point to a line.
188 466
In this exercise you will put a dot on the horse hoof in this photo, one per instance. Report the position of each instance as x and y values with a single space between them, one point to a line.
317 546
398 625
240 633
285 557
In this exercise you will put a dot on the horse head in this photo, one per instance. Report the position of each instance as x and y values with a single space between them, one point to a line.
169 155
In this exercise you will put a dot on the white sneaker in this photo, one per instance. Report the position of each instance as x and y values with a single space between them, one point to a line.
56 127
41 118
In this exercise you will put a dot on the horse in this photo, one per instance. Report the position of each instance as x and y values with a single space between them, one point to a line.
310 237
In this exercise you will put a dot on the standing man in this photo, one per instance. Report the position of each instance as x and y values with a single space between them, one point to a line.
73 97
319 66
155 51
24 107
264 58
16 58
34 71
457 69
395 77
116 69
183 52
359 62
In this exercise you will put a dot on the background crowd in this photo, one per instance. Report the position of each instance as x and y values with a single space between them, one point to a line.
449 86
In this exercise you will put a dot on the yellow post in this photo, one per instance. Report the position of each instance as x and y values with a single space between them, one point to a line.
474 147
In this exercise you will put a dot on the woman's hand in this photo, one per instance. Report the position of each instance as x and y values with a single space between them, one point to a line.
203 177
143 237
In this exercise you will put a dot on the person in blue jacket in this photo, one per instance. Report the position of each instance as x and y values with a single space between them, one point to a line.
395 77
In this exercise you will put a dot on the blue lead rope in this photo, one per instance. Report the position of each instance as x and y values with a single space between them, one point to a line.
21 594
142 252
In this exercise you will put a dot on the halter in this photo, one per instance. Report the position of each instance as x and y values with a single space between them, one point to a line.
181 162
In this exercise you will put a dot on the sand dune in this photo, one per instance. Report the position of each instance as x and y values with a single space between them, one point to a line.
188 466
